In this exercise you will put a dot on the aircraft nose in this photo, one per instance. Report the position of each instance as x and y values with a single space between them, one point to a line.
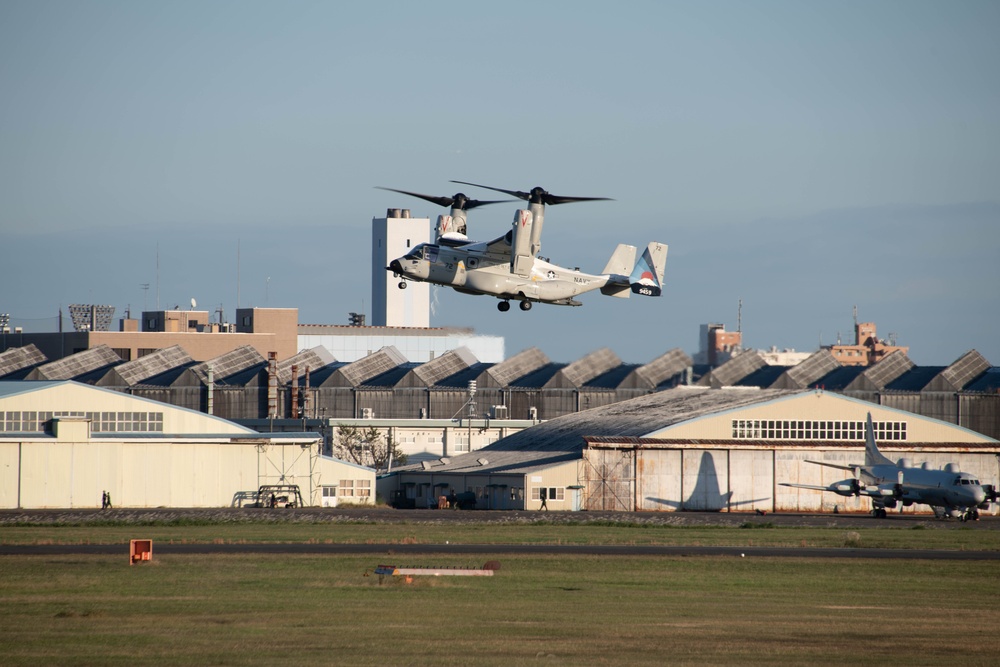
979 495
395 266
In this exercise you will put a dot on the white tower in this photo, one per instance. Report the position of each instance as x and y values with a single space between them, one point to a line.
392 237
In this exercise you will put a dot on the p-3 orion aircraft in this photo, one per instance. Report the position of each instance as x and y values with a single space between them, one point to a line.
949 492
509 268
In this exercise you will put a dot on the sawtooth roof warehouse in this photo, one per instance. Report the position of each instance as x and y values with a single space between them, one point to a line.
694 448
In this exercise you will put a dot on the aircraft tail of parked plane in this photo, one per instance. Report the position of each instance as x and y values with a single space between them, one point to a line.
949 492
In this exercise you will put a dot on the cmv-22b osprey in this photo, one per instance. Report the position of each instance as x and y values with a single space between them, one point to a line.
509 268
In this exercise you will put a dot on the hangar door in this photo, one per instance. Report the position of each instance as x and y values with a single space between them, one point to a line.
609 479
659 480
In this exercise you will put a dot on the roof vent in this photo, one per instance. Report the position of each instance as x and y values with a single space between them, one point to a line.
482 462
444 460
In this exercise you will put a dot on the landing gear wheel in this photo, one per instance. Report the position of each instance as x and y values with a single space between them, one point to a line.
402 284
525 305
503 306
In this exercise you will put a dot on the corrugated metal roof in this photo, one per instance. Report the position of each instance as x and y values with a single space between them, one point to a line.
763 377
391 377
77 364
661 369
988 382
228 364
582 370
734 370
521 364
887 370
915 379
19 358
613 378
453 361
806 373
962 372
562 439
358 372
313 359
460 380
539 377
840 378
160 361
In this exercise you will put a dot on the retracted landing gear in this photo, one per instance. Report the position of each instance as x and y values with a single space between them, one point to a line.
503 306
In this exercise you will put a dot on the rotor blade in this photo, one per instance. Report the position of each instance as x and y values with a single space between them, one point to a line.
537 195
440 201
459 201
512 193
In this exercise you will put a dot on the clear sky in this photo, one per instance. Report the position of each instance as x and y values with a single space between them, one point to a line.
801 156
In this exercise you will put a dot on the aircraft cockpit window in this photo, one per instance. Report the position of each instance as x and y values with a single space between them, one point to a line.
416 253
958 481
431 253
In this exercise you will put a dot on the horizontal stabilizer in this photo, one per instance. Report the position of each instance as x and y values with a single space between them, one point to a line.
647 276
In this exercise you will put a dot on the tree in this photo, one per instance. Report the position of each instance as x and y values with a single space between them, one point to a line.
367 447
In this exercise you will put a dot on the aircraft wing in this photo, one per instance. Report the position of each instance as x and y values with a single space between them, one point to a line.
805 486
853 469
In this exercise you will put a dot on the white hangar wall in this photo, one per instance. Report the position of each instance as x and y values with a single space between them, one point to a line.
735 460
63 444
670 478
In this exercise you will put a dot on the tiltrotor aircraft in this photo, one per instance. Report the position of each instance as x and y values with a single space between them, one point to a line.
509 268
950 493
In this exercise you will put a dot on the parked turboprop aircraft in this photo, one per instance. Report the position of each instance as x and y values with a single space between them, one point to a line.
509 267
949 492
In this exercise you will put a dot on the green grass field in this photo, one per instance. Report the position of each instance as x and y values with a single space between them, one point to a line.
930 535
247 610
579 610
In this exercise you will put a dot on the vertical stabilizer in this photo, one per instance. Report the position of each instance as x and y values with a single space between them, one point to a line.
873 457
521 259
647 276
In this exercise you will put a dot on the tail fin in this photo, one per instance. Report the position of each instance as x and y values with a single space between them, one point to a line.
617 269
647 276
873 457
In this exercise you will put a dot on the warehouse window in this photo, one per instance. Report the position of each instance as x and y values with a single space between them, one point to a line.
346 487
762 429
552 493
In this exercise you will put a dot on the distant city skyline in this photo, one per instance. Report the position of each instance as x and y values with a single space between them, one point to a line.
802 157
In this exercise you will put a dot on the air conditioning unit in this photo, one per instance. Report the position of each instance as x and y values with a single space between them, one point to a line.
498 411
367 413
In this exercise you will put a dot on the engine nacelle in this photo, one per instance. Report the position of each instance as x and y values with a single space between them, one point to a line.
846 488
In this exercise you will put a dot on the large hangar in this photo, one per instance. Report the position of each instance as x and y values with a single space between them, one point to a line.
64 444
696 448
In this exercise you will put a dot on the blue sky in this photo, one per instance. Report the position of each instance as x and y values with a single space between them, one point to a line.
801 156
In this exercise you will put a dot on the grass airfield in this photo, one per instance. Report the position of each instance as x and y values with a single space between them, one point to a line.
248 609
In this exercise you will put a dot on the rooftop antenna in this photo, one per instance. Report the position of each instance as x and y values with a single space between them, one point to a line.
145 294
237 273
157 275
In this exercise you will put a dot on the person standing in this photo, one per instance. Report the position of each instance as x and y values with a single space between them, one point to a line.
543 494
